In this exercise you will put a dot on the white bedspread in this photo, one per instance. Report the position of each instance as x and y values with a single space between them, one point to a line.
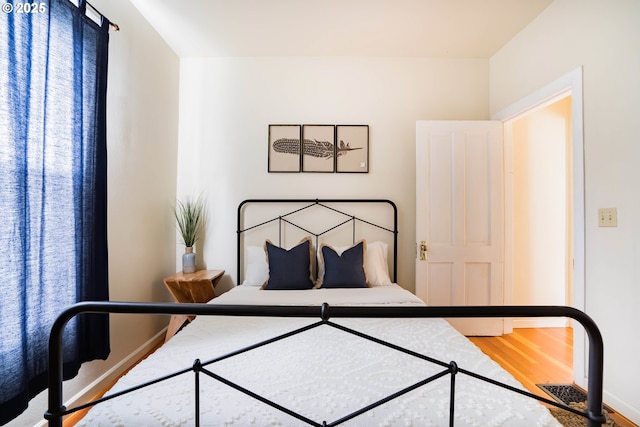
323 374
377 295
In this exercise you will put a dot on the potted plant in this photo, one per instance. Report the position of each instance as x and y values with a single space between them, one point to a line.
189 217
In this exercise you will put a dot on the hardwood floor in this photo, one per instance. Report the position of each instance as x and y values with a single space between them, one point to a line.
537 356
533 356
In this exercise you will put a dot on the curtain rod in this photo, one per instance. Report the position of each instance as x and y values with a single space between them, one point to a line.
113 25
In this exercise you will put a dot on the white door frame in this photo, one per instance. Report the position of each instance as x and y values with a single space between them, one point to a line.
570 83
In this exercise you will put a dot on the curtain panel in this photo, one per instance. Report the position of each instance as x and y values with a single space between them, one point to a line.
53 179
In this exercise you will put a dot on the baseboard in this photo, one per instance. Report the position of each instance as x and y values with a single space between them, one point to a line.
540 322
621 407
97 385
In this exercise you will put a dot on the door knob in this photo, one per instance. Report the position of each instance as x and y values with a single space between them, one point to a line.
423 250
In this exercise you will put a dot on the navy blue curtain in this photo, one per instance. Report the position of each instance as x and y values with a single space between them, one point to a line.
53 171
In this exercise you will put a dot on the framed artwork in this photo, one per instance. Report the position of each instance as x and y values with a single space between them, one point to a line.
318 148
284 148
352 148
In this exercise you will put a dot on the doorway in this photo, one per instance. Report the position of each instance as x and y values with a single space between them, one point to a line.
542 226
568 85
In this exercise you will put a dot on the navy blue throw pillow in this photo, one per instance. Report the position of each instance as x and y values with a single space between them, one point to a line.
289 269
346 270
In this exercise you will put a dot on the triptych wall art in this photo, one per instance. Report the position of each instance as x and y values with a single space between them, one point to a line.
319 148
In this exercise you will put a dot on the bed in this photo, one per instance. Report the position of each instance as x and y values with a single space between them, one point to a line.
274 351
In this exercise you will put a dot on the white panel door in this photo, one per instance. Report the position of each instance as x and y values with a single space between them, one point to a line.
459 216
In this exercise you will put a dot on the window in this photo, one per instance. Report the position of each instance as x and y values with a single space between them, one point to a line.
53 68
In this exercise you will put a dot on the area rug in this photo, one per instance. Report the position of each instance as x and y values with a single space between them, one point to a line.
569 419
573 397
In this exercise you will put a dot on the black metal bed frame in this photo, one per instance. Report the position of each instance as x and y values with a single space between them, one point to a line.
594 413
322 203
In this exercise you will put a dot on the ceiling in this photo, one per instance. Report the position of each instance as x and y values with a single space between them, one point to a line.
388 28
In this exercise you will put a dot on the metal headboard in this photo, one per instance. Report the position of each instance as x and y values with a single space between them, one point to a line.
330 204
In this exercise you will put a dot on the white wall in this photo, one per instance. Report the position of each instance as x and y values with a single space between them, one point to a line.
142 131
540 214
226 105
603 37
142 137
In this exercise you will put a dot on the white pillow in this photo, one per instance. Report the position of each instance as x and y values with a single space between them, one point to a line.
256 268
375 264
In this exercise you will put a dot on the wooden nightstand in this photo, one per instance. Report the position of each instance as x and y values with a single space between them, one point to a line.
198 287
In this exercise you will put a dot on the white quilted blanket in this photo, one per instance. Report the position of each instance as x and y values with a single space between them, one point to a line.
323 374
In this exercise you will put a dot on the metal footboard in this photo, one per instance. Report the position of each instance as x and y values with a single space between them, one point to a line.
594 413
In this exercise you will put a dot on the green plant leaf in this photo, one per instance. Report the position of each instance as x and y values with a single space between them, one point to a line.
189 217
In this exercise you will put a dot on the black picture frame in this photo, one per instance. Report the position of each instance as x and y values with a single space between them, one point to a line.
318 148
284 148
352 148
